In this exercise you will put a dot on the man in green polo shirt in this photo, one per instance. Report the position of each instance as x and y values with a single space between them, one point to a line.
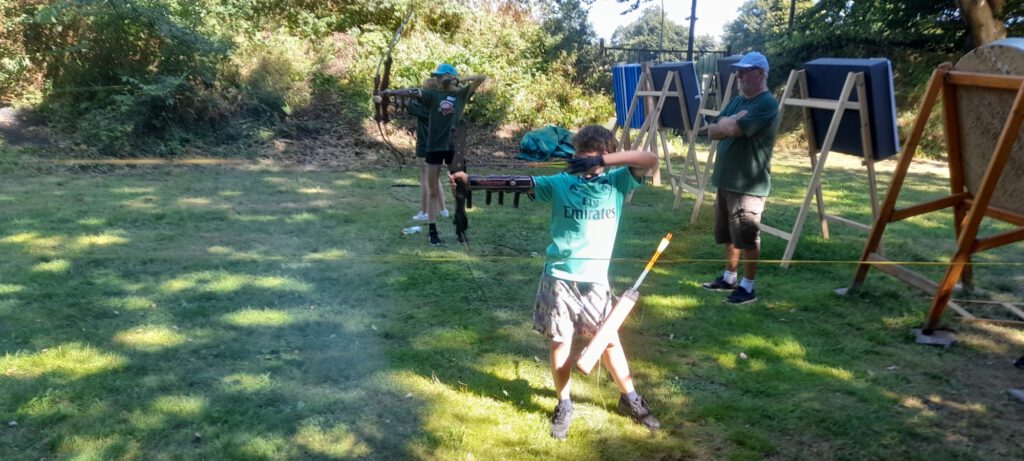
746 133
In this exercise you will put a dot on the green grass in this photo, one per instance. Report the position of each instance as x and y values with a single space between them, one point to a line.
218 313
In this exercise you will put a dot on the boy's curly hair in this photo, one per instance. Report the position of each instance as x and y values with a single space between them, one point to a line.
594 138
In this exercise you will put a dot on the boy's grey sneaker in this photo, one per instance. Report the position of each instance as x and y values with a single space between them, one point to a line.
434 239
638 411
741 296
560 421
719 285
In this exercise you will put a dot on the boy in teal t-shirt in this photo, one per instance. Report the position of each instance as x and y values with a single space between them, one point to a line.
573 295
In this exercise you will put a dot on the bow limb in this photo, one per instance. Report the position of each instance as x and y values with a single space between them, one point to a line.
381 83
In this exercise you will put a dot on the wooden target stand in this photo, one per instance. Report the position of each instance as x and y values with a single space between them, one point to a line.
798 82
651 132
972 187
691 164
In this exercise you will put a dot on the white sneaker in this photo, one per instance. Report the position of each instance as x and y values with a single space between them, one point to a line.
444 212
421 216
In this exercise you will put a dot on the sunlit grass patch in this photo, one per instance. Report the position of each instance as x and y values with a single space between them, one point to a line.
333 254
130 303
98 240
9 289
447 338
179 405
133 190
672 306
234 254
35 243
145 202
336 440
781 348
194 201
825 371
258 318
314 190
222 282
73 360
149 338
255 218
302 217
246 382
92 222
55 266
88 448
252 446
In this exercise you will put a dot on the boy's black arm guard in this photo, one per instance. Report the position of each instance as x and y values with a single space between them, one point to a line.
520 184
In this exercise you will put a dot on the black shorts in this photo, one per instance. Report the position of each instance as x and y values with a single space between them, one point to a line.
443 157
738 219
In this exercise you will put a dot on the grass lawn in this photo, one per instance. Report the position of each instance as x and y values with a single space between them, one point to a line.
162 313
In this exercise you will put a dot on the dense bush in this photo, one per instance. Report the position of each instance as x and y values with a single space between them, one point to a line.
127 76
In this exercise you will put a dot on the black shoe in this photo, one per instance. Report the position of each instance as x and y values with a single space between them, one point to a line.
434 239
719 285
741 296
1020 362
560 421
638 411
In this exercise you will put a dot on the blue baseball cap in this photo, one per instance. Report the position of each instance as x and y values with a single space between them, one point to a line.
752 59
444 68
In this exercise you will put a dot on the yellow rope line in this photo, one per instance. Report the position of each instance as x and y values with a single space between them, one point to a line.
459 258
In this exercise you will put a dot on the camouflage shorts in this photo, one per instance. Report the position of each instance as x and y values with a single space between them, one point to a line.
564 307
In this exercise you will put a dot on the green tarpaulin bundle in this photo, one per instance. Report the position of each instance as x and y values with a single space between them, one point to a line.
542 144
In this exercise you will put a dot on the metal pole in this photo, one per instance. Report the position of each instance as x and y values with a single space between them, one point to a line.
693 20
661 33
792 10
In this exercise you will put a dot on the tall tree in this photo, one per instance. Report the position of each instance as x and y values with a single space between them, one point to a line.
646 32
983 20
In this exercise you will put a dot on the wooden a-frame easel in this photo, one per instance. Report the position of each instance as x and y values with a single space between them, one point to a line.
691 164
651 132
798 82
969 206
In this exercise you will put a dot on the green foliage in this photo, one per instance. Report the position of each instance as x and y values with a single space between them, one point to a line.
915 35
646 32
124 77
526 86
16 70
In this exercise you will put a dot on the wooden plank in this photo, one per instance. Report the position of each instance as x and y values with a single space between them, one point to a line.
1002 215
911 211
975 79
817 103
674 94
848 222
776 232
960 310
1010 307
815 185
886 213
966 239
1009 323
910 277
998 240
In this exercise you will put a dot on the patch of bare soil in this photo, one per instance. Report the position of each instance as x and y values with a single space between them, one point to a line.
19 127
319 137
